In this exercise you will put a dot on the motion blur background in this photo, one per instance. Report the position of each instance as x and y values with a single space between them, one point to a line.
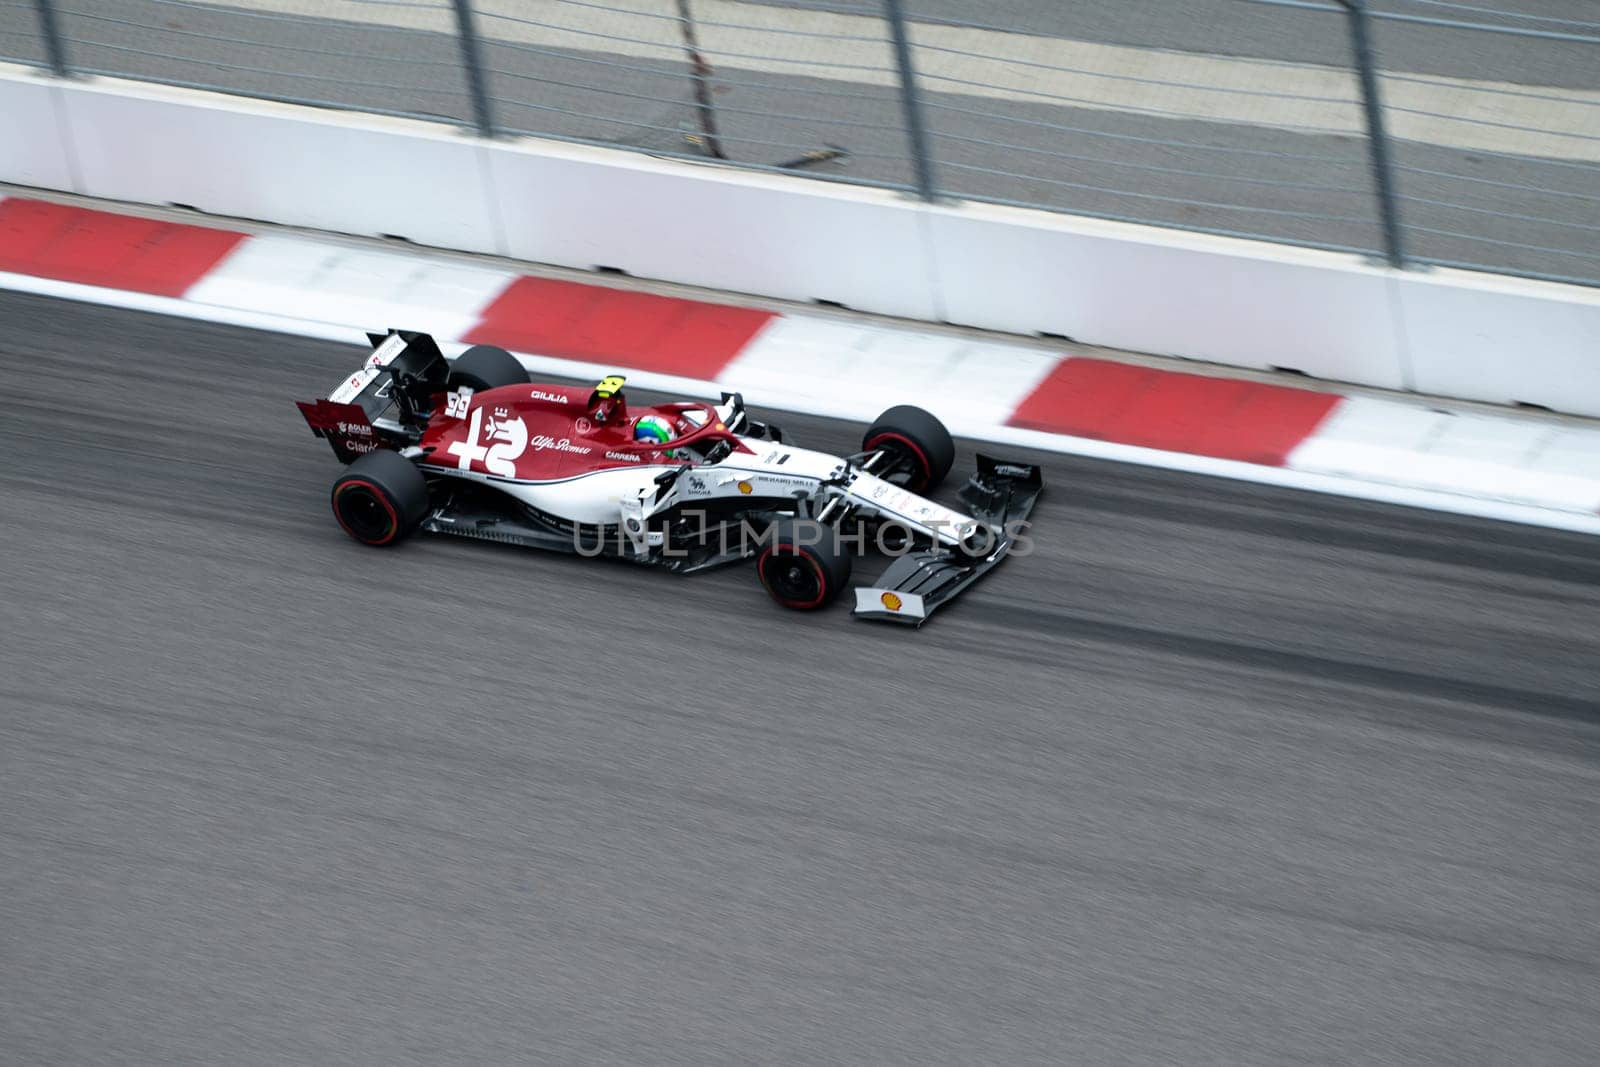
1241 117
1222 773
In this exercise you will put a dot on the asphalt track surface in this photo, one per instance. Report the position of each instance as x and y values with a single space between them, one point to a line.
1217 774
1498 210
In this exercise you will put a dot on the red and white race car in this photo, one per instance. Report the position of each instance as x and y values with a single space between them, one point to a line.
471 447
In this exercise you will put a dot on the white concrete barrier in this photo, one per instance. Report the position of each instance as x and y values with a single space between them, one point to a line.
1245 303
1167 292
742 231
32 148
1503 340
298 166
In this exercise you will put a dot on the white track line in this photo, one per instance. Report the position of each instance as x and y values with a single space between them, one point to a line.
340 283
1278 477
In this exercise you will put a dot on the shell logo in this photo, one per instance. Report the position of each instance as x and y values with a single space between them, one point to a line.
891 601
746 488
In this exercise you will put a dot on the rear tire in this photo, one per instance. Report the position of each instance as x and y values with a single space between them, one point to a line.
804 566
486 367
380 498
917 441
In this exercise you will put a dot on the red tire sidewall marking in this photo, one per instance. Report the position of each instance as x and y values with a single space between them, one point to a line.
793 550
916 449
382 498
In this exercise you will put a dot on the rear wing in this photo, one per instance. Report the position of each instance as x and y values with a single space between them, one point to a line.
403 371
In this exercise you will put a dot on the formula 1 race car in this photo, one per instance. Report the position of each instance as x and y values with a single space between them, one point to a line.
471 447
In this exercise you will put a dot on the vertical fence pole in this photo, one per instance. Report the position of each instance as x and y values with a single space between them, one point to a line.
1377 136
700 73
911 99
472 62
55 50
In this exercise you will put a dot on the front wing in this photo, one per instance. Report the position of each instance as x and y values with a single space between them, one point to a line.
1001 494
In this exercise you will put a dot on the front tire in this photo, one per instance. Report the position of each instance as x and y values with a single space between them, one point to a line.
804 566
380 498
486 367
917 444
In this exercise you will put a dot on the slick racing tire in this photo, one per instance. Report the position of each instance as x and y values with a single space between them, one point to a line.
486 367
916 442
803 567
380 498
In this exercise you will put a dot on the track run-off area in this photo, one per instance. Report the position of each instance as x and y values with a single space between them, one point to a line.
1219 773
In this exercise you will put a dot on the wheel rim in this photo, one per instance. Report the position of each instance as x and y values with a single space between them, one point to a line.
364 513
904 457
793 579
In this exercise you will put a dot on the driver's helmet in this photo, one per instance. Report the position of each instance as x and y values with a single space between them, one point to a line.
655 429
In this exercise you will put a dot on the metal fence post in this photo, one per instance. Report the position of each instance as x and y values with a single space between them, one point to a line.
910 97
1377 136
55 49
472 62
700 73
